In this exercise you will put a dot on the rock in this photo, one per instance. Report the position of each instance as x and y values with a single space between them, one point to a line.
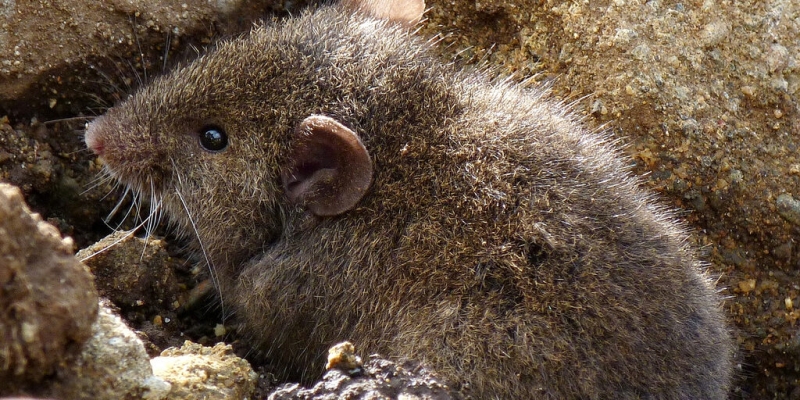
112 366
47 298
343 356
134 273
747 285
789 208
210 373
381 379
784 251
153 290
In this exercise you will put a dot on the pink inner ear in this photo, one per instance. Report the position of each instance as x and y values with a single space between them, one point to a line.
300 186
403 12
329 169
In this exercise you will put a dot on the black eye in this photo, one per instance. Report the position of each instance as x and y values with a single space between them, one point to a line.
213 138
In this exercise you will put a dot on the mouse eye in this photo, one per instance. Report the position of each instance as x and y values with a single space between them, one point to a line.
213 138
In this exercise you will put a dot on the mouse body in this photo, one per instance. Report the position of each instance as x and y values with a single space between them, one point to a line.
344 184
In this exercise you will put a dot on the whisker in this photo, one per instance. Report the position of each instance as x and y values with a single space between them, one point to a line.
148 228
166 50
139 80
103 178
154 216
139 47
118 205
127 213
114 189
129 233
139 204
212 270
80 151
100 180
53 121
155 205
108 79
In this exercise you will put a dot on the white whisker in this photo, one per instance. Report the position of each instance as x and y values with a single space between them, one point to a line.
137 200
154 216
114 188
211 269
118 205
102 178
128 234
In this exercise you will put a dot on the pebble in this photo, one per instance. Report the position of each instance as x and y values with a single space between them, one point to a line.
784 251
194 371
747 285
789 208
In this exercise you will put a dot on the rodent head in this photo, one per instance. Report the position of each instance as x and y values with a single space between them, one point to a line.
253 130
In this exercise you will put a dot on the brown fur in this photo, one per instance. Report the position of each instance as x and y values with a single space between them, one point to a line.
500 243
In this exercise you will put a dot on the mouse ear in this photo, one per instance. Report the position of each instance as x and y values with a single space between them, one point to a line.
329 169
403 12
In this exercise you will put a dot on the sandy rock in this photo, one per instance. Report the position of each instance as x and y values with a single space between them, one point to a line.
132 272
113 365
152 289
789 208
198 372
343 357
47 298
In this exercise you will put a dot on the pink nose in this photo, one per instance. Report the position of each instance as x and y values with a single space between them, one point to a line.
93 139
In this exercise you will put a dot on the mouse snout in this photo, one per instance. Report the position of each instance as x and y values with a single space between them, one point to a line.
94 138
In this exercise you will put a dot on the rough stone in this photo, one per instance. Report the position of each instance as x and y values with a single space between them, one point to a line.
47 298
789 208
381 379
113 365
211 373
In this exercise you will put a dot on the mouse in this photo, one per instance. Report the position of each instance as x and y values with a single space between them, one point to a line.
344 183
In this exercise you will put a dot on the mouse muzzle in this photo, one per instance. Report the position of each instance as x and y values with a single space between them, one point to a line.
94 138
116 144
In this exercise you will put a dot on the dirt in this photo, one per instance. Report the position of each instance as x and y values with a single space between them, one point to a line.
702 94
